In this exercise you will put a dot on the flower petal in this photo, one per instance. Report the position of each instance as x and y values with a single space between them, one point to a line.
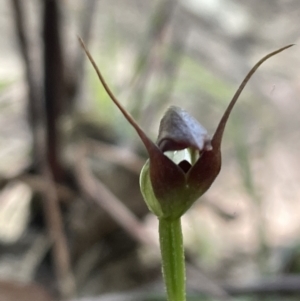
166 176
204 172
179 130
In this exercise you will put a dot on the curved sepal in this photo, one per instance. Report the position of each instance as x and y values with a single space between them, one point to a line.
204 172
217 138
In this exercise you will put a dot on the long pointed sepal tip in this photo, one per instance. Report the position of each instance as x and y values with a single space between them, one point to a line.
147 142
217 138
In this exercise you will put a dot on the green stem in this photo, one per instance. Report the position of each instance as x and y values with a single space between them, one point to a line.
173 264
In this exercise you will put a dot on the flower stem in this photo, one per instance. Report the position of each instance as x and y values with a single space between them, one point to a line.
172 252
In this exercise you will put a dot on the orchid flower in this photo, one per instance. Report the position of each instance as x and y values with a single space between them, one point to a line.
182 165
169 188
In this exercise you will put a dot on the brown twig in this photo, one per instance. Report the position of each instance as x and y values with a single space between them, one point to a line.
117 155
35 109
47 166
54 84
52 170
99 193
40 185
54 221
